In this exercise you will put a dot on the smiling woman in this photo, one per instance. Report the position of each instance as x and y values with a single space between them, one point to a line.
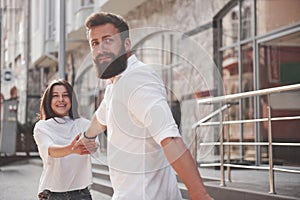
56 133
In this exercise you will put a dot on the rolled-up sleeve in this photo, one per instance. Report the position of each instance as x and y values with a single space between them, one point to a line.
149 105
102 109
160 123
101 113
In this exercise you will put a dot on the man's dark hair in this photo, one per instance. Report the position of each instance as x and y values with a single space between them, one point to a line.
102 18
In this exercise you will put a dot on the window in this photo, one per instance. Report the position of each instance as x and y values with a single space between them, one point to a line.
86 2
258 47
246 29
230 27
36 16
275 14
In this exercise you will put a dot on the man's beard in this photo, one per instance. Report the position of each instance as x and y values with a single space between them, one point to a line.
109 69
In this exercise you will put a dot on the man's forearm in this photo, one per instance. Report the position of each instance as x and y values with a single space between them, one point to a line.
188 172
183 163
95 128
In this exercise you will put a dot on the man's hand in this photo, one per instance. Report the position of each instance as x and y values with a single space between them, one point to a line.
83 145
75 147
90 145
79 149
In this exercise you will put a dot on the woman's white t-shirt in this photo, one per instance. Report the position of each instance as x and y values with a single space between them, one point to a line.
68 173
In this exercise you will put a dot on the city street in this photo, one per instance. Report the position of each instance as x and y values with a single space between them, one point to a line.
19 181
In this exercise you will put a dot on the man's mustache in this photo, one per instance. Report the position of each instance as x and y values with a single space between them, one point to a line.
105 55
110 67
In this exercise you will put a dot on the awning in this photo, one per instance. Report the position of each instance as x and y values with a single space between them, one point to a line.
46 60
114 6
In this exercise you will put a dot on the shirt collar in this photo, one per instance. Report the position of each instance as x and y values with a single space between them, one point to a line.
130 61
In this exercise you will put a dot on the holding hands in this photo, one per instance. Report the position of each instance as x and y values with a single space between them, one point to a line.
82 145
77 146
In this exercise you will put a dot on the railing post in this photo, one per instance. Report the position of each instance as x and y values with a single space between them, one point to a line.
228 150
270 149
221 150
195 145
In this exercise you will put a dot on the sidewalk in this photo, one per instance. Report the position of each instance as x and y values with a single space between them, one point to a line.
20 180
256 181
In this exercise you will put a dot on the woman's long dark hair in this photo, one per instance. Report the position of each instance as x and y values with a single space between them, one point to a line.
46 111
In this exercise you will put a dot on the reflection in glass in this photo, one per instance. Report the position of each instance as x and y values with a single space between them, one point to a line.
230 71
246 21
275 14
230 25
280 61
279 64
247 79
247 104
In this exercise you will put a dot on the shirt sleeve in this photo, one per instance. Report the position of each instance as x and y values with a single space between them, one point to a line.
83 124
148 104
101 113
101 110
42 139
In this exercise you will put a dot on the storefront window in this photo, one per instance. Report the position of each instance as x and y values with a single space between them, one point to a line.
247 104
280 65
230 25
247 11
275 14
230 71
280 61
270 28
247 80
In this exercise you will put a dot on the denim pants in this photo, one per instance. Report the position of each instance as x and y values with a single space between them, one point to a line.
83 194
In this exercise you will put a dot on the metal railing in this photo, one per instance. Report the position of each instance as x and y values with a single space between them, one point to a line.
269 143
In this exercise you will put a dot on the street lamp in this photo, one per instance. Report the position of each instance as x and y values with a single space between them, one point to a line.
62 38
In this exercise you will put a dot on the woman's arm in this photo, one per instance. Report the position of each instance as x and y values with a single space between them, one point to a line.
58 151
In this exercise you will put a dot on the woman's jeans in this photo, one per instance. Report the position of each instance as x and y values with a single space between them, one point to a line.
83 194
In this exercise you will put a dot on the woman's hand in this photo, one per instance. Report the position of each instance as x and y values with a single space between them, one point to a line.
83 146
75 147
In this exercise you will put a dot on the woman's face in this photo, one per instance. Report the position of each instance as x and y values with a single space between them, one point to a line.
60 101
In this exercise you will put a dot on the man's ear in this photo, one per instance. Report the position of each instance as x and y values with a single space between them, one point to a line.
127 44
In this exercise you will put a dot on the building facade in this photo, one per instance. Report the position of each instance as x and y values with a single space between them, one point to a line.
14 59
